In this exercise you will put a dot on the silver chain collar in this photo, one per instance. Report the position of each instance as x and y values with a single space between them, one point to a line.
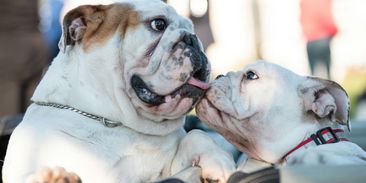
106 122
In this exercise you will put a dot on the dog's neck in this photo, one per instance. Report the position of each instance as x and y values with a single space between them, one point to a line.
70 80
326 135
273 148
91 82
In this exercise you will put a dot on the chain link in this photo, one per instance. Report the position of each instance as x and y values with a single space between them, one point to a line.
106 122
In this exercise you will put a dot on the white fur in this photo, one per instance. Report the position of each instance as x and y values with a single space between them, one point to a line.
148 147
269 116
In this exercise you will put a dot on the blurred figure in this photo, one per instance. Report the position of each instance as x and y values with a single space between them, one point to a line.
199 14
23 55
319 28
50 12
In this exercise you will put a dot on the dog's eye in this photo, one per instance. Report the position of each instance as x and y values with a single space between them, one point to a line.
158 24
250 75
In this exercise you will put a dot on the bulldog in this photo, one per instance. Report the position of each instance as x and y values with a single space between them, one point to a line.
279 117
111 107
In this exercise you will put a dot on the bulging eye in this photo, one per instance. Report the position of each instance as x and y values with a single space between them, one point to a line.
250 75
158 24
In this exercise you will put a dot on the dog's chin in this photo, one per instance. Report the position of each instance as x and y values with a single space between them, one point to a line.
228 126
208 113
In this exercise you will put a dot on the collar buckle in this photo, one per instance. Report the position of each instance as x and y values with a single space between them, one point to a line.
323 136
109 123
320 134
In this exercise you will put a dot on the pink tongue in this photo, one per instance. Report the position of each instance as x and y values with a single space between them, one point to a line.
198 83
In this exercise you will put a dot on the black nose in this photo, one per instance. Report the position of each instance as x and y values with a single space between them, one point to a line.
191 40
199 61
219 76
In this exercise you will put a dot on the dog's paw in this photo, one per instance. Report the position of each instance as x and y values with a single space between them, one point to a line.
54 175
190 174
215 169
197 149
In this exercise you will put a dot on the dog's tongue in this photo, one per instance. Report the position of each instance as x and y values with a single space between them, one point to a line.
200 84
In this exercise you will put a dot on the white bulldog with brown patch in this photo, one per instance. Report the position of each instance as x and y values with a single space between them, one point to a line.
279 117
111 106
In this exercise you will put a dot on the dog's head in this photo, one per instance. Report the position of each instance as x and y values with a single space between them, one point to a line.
265 109
141 58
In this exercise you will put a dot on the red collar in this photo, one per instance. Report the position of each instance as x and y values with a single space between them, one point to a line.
323 136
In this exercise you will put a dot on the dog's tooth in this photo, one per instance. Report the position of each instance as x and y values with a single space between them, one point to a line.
168 98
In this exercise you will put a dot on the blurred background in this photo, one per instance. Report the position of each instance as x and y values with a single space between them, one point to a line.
238 32
325 38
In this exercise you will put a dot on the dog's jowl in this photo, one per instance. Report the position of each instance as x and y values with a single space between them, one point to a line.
111 106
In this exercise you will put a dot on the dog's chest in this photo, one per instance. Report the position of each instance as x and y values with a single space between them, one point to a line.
129 155
96 152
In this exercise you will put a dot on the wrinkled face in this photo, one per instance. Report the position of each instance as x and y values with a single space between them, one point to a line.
239 104
165 70
254 89
141 54
265 104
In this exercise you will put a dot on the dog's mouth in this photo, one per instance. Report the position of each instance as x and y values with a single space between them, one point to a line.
194 87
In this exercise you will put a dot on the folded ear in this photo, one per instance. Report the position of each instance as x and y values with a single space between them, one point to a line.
326 99
80 22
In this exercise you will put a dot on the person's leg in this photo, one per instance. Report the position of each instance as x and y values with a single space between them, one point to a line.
9 97
319 57
28 89
9 85
327 55
34 65
23 57
311 56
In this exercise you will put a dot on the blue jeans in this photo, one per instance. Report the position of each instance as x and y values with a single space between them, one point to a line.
319 54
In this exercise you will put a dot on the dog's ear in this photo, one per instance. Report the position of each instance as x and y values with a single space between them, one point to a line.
78 22
326 99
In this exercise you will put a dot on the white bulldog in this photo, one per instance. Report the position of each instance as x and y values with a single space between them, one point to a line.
279 117
111 106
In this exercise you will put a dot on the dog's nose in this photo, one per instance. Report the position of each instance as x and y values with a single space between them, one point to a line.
219 76
199 61
191 40
187 39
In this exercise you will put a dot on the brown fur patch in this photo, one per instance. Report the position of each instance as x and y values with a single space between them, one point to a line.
102 21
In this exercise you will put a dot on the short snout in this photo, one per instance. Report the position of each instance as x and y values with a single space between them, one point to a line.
198 58
191 40
181 74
